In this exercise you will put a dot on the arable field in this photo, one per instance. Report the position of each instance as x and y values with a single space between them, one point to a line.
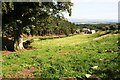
75 56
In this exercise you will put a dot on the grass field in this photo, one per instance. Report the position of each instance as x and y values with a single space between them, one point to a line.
73 56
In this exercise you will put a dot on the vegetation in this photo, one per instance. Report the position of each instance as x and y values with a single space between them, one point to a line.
55 47
33 18
72 56
113 27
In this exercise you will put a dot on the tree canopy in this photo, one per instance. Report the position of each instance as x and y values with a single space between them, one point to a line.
35 18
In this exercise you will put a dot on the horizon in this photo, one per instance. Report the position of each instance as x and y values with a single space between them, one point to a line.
93 21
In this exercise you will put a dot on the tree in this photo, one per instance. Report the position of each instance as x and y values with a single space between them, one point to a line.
19 15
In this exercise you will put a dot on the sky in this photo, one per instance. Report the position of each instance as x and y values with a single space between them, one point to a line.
94 9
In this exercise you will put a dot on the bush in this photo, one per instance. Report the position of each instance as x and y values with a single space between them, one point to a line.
27 43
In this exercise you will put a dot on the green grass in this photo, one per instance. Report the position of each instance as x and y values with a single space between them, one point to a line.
68 57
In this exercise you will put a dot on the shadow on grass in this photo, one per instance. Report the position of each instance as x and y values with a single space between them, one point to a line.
112 73
8 44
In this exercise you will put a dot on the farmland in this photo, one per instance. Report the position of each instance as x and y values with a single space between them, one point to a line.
72 56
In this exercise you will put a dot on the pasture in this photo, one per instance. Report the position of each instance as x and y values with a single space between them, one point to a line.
73 56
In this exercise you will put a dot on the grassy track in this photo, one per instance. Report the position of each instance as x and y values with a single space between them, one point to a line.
67 57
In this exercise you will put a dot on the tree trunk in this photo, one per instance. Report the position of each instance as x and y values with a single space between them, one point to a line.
18 41
18 44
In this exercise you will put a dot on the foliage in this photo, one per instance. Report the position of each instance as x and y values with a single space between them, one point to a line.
101 27
20 17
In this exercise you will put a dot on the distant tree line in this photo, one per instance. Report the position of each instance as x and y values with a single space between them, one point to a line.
101 27
57 26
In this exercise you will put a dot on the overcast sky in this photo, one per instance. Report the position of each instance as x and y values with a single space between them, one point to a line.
94 9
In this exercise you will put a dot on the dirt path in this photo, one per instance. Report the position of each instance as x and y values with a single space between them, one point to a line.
102 36
25 73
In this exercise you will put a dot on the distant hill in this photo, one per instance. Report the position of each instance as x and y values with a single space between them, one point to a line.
93 21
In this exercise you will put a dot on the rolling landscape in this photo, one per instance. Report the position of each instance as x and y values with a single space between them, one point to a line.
40 43
93 21
70 57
